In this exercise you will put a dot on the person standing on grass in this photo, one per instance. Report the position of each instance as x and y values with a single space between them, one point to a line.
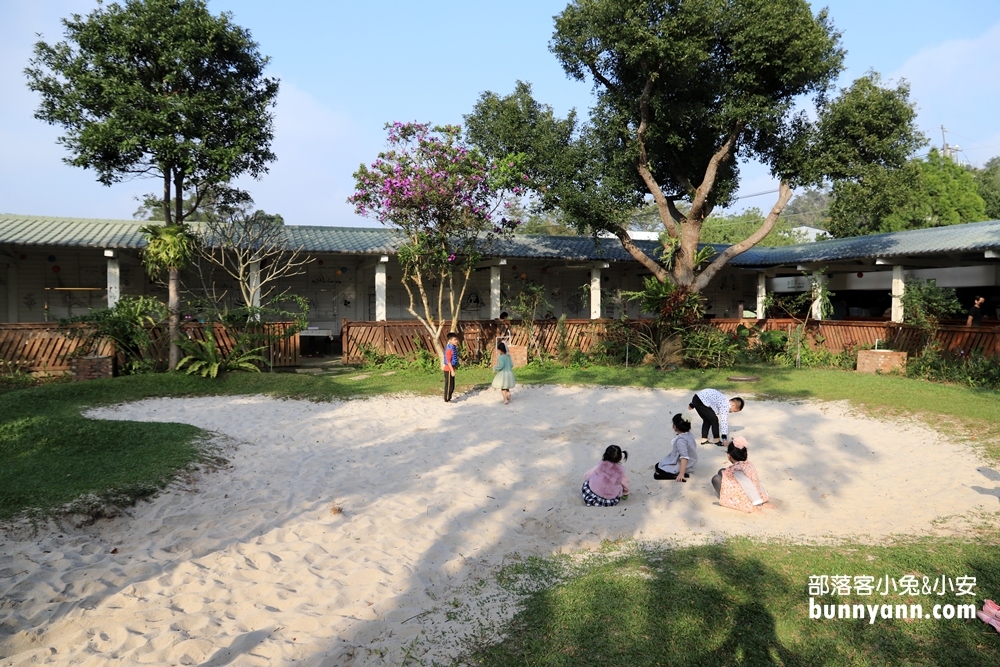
504 380
449 364
680 462
975 318
714 408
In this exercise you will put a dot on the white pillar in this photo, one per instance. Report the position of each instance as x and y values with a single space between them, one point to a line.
595 294
12 293
380 289
819 278
494 292
761 293
114 282
898 287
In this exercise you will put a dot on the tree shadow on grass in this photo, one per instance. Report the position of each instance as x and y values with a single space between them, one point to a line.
722 605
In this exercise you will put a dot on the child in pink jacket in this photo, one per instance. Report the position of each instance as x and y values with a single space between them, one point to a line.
606 484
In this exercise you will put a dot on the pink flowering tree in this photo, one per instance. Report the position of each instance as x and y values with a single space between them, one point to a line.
445 198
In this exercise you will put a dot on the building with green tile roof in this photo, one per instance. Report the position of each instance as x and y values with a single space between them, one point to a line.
61 266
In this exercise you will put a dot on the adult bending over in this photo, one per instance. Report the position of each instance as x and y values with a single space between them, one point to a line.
738 486
714 408
683 456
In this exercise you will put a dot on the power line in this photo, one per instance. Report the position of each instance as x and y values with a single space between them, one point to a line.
757 194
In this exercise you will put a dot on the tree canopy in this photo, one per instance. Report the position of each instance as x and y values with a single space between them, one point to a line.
988 187
445 198
158 88
686 91
930 192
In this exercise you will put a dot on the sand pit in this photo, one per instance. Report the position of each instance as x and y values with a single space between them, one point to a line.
342 531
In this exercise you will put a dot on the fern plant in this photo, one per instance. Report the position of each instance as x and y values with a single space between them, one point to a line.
205 358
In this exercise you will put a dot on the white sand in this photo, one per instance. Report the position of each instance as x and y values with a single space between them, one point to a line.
249 566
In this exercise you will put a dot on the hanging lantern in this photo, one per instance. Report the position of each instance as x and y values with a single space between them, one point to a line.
56 269
51 258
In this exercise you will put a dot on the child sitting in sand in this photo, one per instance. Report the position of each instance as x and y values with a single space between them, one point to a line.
738 485
683 456
504 380
606 484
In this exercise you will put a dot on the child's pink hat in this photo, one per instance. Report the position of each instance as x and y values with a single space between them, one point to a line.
740 442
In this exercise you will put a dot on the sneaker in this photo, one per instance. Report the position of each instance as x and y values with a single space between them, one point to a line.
703 441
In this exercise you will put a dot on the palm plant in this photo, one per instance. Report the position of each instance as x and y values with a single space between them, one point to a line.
169 248
207 359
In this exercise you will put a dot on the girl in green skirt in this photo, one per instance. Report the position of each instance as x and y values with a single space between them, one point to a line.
504 380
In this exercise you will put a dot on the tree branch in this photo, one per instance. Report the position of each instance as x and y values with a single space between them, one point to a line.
784 194
167 215
639 255
720 156
600 77
675 213
642 163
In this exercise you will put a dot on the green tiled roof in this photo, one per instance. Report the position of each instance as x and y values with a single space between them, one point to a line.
971 237
84 233
74 232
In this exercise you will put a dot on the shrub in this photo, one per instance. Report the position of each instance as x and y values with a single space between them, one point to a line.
206 358
424 360
764 346
972 369
372 358
128 325
706 346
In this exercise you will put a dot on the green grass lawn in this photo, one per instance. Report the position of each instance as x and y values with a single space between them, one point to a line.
746 603
737 602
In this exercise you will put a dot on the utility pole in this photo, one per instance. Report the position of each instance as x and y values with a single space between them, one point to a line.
944 143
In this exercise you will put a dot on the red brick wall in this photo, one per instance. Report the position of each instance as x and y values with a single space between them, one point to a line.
92 368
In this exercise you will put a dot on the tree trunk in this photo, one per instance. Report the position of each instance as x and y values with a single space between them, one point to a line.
174 317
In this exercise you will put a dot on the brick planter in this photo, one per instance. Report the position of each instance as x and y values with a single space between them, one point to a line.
518 355
881 361
92 368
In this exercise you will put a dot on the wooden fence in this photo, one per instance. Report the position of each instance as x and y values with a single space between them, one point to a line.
46 347
40 347
404 337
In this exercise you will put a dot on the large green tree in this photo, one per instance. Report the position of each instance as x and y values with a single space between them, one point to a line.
809 207
930 192
988 186
686 90
161 89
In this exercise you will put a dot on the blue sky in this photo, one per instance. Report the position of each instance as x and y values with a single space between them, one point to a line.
347 68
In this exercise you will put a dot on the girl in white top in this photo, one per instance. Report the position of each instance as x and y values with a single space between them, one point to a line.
683 456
